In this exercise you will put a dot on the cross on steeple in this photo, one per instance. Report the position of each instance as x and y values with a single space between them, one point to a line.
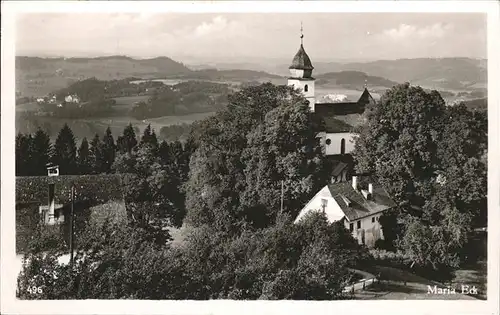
301 33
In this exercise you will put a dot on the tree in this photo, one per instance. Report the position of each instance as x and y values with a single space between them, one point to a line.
152 189
84 161
149 137
65 151
108 151
432 160
399 140
23 155
96 155
282 148
232 158
127 141
41 152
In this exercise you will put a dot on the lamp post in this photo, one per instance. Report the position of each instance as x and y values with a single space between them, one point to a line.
282 196
71 224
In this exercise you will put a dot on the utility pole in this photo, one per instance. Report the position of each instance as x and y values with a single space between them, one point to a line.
71 224
282 193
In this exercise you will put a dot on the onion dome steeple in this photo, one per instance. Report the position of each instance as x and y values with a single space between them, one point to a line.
301 66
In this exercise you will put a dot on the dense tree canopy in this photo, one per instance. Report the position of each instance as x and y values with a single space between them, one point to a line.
265 135
286 261
432 159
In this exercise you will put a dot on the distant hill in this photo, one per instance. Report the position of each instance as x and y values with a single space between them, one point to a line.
352 79
480 104
39 76
439 73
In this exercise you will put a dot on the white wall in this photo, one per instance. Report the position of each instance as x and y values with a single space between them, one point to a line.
332 210
372 230
336 139
300 85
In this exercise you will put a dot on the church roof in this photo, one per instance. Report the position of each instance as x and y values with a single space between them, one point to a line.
366 98
343 116
301 60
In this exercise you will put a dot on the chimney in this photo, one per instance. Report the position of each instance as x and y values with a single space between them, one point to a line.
344 175
366 194
370 188
355 182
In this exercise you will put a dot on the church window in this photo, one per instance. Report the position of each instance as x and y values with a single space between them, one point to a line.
328 141
306 88
342 146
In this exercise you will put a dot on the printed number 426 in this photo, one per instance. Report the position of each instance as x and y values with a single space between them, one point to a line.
35 290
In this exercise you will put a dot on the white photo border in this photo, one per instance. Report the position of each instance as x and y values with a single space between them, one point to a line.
10 305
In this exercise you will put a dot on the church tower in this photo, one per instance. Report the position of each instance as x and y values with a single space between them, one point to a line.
301 73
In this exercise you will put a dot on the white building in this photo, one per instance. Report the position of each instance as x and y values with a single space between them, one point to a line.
72 99
339 117
358 203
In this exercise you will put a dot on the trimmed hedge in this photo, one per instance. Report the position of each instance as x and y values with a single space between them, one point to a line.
97 188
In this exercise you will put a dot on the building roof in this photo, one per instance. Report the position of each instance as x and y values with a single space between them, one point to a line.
359 206
366 98
339 168
343 116
301 60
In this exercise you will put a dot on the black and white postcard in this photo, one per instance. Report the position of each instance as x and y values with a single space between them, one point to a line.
248 157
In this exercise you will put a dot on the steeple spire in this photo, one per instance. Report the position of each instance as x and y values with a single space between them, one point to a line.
301 33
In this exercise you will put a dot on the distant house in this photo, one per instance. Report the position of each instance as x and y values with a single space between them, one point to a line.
45 202
357 202
52 99
72 99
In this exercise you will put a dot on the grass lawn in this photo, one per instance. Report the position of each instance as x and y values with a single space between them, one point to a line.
474 275
402 285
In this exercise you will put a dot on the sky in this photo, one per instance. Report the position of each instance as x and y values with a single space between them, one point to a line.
245 37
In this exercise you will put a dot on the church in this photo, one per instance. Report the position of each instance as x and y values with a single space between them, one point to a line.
339 119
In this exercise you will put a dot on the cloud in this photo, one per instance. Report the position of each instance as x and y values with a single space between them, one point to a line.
218 24
406 31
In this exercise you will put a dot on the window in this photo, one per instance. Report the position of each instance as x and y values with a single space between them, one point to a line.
306 88
328 141
351 227
342 146
373 219
359 224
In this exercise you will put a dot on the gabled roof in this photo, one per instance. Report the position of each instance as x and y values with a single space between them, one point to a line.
343 116
301 60
359 206
366 98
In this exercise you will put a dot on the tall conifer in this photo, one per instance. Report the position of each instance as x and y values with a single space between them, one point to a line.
65 151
